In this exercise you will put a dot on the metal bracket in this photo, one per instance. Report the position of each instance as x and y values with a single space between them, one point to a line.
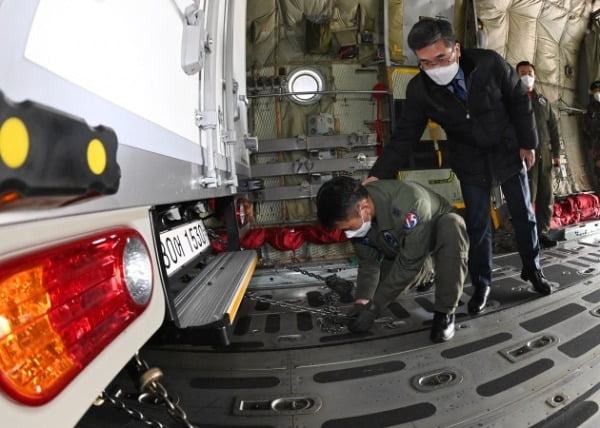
193 46
243 99
230 136
306 166
281 193
207 119
304 142
205 182
251 143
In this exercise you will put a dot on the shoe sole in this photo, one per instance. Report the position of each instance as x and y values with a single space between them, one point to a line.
476 312
543 292
440 339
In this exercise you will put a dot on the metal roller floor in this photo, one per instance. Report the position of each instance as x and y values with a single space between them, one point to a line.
527 361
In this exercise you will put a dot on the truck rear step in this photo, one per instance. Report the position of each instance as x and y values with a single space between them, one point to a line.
216 293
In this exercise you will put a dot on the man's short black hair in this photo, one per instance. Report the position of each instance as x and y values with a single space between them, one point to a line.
337 198
428 31
523 64
595 85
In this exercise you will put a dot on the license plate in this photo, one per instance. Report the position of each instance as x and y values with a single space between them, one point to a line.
181 244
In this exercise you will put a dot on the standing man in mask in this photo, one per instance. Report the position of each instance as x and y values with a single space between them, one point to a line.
591 127
547 155
484 108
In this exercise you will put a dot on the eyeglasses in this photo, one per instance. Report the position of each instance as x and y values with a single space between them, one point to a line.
441 61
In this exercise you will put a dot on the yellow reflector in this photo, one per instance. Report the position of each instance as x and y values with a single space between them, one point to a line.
14 142
96 156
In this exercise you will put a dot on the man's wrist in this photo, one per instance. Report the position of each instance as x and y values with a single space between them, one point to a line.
362 301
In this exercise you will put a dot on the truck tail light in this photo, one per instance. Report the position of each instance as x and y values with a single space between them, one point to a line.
60 307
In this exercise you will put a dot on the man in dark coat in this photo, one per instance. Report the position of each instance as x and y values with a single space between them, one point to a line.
484 108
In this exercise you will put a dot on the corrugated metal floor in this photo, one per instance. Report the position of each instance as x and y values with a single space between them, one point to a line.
529 360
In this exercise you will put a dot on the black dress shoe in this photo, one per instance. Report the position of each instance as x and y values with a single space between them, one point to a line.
546 242
536 277
442 328
479 299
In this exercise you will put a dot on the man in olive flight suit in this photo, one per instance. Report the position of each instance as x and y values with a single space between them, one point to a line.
395 227
547 153
591 130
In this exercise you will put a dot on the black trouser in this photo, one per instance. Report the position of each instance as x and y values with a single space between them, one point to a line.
479 226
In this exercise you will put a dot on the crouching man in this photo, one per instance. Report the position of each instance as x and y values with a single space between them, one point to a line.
396 228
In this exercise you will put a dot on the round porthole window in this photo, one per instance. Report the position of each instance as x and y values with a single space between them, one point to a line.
304 84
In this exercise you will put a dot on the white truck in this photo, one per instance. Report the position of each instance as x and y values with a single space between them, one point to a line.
120 122
143 142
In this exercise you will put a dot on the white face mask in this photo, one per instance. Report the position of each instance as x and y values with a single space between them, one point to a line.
443 75
597 96
528 81
361 232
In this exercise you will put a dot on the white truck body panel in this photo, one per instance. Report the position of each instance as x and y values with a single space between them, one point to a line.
135 75
118 63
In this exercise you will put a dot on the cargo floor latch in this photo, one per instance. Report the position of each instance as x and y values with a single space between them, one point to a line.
298 405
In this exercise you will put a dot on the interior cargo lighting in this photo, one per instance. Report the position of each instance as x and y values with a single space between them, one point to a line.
243 211
305 83
60 307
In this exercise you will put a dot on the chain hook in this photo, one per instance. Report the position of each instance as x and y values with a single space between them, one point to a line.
150 382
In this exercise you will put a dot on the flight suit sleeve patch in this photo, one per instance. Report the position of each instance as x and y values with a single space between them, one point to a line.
410 221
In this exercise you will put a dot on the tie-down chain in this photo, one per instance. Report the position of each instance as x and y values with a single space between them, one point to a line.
330 319
150 386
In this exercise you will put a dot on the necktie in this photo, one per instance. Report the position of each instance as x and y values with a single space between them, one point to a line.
458 90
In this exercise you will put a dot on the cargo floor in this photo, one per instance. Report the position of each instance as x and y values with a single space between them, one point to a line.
528 360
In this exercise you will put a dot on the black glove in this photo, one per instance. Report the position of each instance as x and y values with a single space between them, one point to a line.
362 317
341 286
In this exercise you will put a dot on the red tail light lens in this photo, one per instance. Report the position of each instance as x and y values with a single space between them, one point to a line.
61 306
